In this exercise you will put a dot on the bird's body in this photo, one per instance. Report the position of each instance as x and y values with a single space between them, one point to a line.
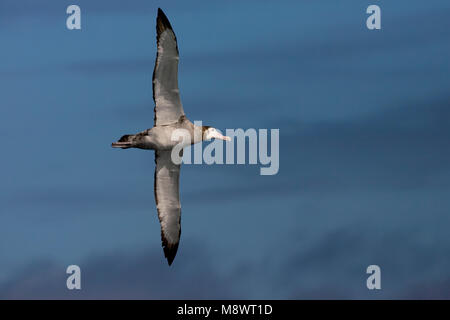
169 119
161 137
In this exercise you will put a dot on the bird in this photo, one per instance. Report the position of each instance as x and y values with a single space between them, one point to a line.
169 117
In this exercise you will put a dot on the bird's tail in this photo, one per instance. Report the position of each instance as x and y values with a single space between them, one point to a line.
125 142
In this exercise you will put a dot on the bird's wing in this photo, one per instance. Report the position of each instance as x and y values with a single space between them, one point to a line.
168 107
167 197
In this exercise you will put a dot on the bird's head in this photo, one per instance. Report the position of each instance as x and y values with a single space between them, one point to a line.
212 133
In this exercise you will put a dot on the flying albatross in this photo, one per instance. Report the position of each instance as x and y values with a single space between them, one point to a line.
169 116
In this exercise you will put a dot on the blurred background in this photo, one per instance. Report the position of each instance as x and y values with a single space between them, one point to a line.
364 119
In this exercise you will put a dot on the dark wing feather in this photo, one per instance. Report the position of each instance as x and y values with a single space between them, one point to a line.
168 107
167 197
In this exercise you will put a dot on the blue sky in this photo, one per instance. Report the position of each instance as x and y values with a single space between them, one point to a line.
364 159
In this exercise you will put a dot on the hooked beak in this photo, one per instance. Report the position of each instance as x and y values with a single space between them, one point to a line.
221 137
216 134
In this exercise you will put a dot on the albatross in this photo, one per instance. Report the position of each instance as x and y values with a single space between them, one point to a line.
169 117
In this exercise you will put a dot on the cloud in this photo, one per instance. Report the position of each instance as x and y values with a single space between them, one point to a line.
398 148
437 290
336 265
123 275
331 266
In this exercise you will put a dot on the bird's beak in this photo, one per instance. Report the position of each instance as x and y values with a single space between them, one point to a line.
217 135
221 137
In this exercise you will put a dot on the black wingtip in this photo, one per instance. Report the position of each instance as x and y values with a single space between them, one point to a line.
162 23
170 251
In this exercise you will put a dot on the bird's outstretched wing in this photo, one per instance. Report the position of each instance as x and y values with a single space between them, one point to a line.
167 197
168 107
